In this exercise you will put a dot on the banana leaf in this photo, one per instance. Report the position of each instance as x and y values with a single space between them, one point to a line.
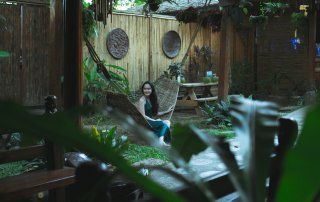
255 124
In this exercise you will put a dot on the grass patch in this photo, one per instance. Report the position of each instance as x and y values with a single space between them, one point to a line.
136 153
14 168
227 133
98 119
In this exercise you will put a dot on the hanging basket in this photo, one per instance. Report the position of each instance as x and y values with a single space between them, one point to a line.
154 6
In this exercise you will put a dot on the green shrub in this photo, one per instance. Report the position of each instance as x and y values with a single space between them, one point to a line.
242 78
218 114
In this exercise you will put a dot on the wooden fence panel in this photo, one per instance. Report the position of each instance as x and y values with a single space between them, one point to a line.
35 80
160 62
281 68
10 41
145 59
136 60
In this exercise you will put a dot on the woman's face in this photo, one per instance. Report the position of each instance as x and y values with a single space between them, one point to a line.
147 90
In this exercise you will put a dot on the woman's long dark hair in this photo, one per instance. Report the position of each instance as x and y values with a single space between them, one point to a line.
153 98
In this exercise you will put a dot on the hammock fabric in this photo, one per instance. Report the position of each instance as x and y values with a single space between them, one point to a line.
167 92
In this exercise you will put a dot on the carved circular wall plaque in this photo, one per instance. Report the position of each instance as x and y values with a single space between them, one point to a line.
117 43
171 44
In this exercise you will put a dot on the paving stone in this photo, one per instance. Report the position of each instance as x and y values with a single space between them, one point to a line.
200 162
208 173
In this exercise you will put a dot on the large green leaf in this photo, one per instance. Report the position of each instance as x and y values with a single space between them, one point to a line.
115 67
222 148
186 142
60 129
255 124
301 174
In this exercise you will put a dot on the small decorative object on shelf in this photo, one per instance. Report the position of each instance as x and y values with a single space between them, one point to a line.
295 42
318 49
209 74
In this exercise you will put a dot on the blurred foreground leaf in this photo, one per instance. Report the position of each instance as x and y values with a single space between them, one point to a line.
301 174
62 130
186 142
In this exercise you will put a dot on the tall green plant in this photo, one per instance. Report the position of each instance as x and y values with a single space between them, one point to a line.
89 24
218 114
96 84
242 78
300 22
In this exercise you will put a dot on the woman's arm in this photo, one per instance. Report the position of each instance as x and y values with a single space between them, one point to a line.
166 112
140 106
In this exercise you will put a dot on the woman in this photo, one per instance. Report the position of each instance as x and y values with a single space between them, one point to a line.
148 107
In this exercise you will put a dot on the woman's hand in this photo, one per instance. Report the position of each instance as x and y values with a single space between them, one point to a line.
171 109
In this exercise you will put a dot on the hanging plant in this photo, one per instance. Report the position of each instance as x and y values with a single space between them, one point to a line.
260 13
152 5
300 22
187 16
89 26
212 18
273 8
260 19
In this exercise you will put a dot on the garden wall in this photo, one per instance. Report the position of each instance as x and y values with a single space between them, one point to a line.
282 70
145 59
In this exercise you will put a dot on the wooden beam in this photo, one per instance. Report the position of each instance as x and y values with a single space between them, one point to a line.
226 58
26 153
73 55
312 14
150 48
56 54
21 186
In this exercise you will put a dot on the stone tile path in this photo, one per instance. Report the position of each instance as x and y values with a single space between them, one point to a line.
206 163
298 115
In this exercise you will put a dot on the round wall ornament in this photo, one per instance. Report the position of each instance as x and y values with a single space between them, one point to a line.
117 43
171 44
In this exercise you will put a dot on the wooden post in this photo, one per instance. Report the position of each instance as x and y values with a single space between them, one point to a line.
226 60
56 64
56 56
150 48
73 55
312 13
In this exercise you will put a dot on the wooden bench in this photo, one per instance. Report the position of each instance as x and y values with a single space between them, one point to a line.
207 99
53 178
